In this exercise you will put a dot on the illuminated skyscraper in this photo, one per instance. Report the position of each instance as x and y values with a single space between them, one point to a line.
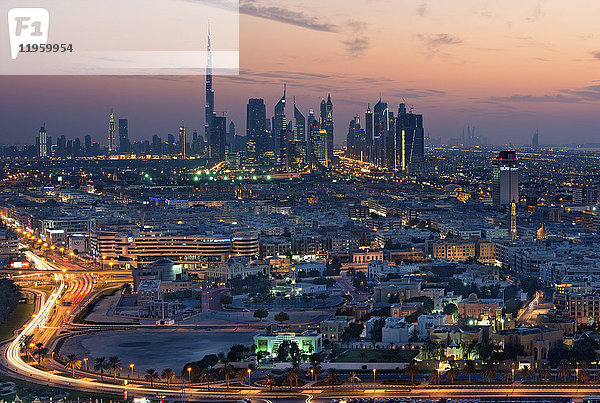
123 136
112 146
279 123
257 140
410 137
379 128
299 142
182 142
369 133
327 125
209 108
505 180
42 142
217 139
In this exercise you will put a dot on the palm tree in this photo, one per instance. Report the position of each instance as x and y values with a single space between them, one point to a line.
469 368
525 372
241 376
583 372
100 364
332 378
269 381
353 378
73 363
453 372
489 371
168 374
26 342
412 369
564 369
227 371
151 375
543 372
316 369
40 352
114 364
206 376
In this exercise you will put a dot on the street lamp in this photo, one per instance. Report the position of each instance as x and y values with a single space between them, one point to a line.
131 366
374 370
249 371
577 375
85 360
189 375
312 371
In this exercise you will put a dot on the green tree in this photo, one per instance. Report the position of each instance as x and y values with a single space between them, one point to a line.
543 372
332 378
261 313
168 374
489 371
73 363
450 309
564 370
114 364
412 369
469 368
226 299
352 378
227 370
151 376
282 317
100 364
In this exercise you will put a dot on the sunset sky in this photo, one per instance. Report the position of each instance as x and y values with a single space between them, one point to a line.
505 67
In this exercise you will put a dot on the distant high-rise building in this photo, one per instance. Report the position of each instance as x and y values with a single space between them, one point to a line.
327 124
354 143
317 140
217 139
257 141
182 142
535 141
513 220
379 128
410 137
61 147
156 145
369 133
279 122
299 137
209 109
124 136
505 179
88 145
112 144
42 142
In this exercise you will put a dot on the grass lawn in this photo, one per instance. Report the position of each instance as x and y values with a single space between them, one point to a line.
378 356
16 320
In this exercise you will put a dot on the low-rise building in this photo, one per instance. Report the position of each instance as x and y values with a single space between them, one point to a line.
308 341
333 328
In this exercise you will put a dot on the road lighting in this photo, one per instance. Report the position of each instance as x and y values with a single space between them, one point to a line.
85 360
312 371
577 375
189 375
374 370
131 366
249 371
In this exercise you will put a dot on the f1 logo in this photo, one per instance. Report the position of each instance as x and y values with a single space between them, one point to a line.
27 26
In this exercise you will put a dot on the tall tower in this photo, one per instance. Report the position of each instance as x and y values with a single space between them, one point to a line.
369 133
513 220
410 136
257 141
535 141
112 146
42 142
123 136
505 179
209 109
182 141
279 122
329 128
299 143
379 127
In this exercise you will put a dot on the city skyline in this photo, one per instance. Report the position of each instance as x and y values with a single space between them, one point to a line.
499 68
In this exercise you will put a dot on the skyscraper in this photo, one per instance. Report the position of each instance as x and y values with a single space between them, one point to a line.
123 136
299 135
112 145
257 141
209 109
535 141
410 137
369 133
88 144
217 139
505 179
182 142
327 125
279 122
379 127
317 140
42 142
